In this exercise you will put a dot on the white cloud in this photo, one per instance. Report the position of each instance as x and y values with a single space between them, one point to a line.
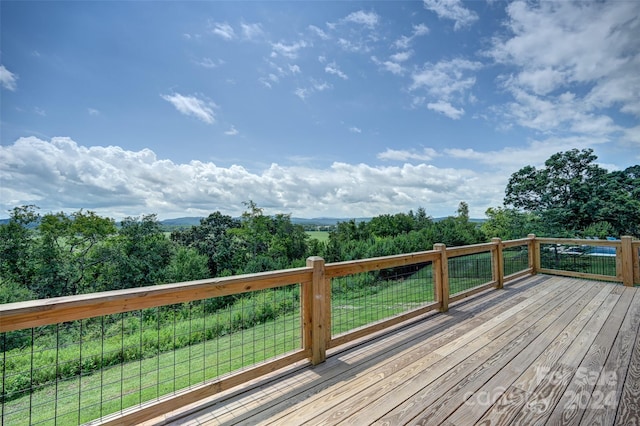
192 105
210 63
401 56
251 31
447 109
232 131
391 66
445 82
427 154
571 62
355 129
368 19
404 41
8 79
452 9
317 31
420 30
352 45
224 30
301 93
288 50
59 175
534 153
294 69
332 68
315 86
93 111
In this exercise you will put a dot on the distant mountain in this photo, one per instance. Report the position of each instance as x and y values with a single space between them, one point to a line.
182 221
325 221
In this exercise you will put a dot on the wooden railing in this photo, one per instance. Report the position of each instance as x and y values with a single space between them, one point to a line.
508 260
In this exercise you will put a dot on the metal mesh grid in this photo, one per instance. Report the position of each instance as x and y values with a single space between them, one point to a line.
364 298
75 372
586 259
516 259
466 272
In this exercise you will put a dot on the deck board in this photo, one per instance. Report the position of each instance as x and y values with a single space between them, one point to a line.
521 355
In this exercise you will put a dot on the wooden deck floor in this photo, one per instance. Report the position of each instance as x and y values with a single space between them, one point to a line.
545 350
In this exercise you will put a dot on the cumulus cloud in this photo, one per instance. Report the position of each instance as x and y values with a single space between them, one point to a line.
287 50
445 78
570 62
452 9
59 174
427 154
223 30
192 105
8 79
447 109
368 19
252 31
445 82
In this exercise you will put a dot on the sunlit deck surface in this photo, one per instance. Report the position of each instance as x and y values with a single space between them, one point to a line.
545 350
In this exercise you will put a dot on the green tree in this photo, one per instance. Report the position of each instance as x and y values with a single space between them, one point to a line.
508 223
565 193
620 193
212 239
17 245
65 251
458 230
186 264
571 194
138 255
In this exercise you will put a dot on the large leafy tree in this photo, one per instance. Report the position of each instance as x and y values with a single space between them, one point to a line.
66 245
572 194
138 255
621 195
212 239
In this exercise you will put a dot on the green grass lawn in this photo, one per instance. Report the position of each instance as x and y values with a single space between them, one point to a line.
322 236
85 398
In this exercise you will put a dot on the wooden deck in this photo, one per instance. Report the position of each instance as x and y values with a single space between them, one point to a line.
544 350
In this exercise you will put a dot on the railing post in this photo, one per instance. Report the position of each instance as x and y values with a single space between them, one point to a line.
627 260
534 254
314 318
441 272
497 262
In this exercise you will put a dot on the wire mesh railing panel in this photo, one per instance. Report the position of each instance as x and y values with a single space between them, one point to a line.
583 258
74 372
469 271
516 259
365 298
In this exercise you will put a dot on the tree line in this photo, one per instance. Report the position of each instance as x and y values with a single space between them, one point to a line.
58 254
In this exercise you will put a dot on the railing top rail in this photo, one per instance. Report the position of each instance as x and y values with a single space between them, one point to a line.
338 269
471 249
575 241
516 243
35 313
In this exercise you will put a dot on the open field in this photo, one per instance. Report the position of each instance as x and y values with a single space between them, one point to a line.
322 236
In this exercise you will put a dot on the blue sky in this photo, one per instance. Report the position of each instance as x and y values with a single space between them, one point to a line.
342 109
